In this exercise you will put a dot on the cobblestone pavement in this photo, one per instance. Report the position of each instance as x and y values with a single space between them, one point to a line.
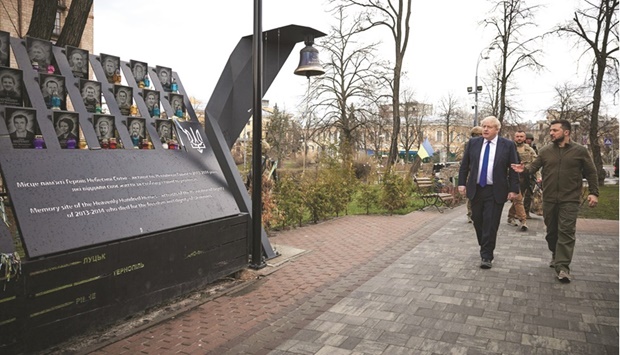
407 285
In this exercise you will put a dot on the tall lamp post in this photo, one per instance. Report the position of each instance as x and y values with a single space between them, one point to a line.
477 88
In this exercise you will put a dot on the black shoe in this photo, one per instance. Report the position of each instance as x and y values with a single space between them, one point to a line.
486 264
564 277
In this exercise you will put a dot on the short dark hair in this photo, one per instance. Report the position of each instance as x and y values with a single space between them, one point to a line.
564 123
19 115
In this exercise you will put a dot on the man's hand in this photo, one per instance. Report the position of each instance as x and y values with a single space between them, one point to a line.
592 200
519 168
512 196
462 190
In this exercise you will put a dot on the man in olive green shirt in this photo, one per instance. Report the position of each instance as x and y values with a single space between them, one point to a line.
563 163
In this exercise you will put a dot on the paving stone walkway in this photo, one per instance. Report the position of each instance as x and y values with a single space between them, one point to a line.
407 285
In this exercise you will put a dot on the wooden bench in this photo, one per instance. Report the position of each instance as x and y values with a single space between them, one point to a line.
430 196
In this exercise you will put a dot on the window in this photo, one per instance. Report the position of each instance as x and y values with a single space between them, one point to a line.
439 136
56 31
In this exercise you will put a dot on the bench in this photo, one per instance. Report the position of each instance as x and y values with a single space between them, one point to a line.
429 195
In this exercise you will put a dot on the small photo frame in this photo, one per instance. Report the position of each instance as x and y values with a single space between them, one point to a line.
105 127
51 83
22 125
67 127
5 49
138 69
11 87
151 99
165 130
164 74
137 130
78 61
91 94
124 98
40 53
176 102
111 64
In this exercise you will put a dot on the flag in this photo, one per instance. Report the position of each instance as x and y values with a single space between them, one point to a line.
427 146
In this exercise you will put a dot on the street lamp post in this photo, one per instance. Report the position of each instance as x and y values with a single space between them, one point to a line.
477 88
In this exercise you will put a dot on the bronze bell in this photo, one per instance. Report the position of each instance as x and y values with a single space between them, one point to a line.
309 64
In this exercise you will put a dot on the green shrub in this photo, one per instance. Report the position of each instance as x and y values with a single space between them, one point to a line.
368 196
395 192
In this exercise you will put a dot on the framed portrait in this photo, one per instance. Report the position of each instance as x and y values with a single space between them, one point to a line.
91 94
11 87
164 74
165 130
124 98
78 61
5 49
40 53
151 99
137 130
105 127
139 70
111 64
176 102
22 125
51 84
67 127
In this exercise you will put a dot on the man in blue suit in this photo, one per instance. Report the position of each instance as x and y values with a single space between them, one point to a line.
485 176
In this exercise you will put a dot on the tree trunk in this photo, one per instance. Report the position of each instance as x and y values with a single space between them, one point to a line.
42 20
395 116
75 23
595 146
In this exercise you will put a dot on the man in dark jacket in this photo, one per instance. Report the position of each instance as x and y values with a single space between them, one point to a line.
485 176
563 163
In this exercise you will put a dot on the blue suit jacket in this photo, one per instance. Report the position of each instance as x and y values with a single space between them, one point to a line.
505 180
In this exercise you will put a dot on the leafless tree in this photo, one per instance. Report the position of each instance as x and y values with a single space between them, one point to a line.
411 113
395 16
377 129
451 115
345 93
596 27
509 19
44 15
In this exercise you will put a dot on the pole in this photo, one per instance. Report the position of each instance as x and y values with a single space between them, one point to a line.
257 135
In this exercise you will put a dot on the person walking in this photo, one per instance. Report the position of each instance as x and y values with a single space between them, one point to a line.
526 155
564 163
475 132
487 180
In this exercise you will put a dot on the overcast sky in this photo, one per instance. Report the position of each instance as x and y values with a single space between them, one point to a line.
195 39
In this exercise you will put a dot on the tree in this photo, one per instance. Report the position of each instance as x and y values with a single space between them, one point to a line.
450 115
44 16
395 15
511 18
597 29
346 91
280 134
75 23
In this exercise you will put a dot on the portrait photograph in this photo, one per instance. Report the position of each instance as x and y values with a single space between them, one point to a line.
67 127
124 98
111 64
104 126
164 75
78 61
176 102
139 70
165 130
151 99
22 125
91 94
51 84
137 130
39 52
11 87
5 49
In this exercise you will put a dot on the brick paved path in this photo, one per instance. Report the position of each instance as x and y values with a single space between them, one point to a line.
408 284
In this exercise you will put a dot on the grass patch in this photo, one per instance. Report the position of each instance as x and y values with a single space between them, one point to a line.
607 207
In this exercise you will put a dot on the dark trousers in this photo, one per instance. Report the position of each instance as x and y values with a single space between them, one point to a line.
486 215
